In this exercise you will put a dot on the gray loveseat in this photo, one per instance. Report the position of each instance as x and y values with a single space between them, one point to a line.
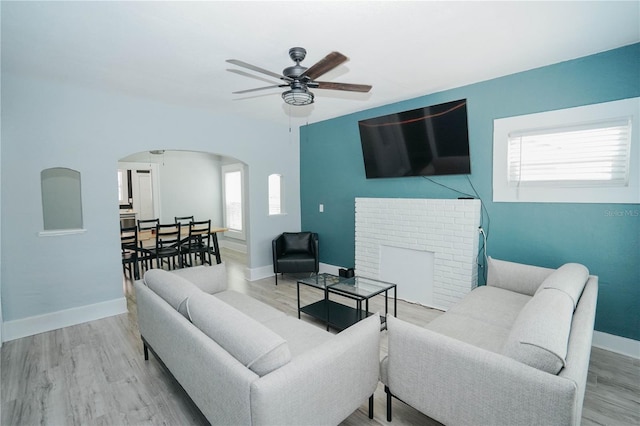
243 362
513 352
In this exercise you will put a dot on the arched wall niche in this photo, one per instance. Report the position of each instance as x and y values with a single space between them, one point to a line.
61 199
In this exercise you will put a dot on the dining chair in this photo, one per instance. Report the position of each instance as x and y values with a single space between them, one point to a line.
145 252
198 243
129 250
167 245
147 224
183 220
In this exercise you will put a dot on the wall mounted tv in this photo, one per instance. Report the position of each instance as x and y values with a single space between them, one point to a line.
427 141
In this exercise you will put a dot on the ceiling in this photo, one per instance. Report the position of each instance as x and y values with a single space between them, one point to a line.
175 51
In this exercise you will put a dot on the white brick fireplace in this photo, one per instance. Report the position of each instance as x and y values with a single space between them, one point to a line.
428 247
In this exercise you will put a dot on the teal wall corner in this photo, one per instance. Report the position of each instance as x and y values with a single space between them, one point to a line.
604 237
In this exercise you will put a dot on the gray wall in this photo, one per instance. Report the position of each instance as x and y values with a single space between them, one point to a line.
190 185
53 124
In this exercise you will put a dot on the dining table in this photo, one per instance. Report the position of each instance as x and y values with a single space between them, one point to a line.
147 236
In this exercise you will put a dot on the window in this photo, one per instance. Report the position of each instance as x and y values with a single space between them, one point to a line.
233 193
124 188
275 194
61 199
584 155
596 153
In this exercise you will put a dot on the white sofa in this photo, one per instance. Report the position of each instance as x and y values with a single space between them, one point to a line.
243 362
513 352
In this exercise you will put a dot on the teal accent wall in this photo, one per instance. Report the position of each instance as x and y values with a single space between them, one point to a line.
604 237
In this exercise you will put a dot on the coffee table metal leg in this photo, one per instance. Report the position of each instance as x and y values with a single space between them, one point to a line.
383 320
395 301
366 313
326 302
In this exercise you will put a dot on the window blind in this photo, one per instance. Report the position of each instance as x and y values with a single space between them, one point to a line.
591 154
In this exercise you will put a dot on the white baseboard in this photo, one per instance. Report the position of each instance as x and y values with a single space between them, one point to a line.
267 271
254 274
24 327
326 268
617 344
232 245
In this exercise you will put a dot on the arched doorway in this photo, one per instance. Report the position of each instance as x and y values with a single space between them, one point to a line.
165 184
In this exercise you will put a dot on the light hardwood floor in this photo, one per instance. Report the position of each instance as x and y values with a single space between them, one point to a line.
95 373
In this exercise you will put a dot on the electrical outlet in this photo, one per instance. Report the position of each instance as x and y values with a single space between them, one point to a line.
321 208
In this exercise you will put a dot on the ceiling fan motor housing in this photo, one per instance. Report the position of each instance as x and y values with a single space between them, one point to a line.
297 54
294 72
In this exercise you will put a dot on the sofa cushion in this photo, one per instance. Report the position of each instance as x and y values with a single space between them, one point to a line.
540 334
570 278
490 305
255 346
297 242
249 306
483 318
210 279
172 289
477 333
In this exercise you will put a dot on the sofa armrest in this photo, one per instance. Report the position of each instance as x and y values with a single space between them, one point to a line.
322 386
276 250
458 383
517 277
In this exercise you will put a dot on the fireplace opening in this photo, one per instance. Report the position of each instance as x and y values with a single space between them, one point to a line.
412 270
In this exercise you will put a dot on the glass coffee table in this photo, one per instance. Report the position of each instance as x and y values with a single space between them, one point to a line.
338 315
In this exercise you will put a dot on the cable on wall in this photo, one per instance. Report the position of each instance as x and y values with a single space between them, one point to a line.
484 230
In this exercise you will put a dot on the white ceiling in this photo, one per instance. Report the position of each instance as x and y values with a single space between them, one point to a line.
176 51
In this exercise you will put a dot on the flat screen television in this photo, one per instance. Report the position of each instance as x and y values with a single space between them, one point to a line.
427 141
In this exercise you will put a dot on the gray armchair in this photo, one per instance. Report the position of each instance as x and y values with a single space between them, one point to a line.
295 252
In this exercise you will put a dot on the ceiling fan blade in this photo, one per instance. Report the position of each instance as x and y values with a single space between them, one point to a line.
341 86
259 88
250 75
325 65
258 69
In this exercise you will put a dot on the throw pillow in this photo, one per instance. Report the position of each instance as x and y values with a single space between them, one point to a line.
570 279
254 345
540 335
171 288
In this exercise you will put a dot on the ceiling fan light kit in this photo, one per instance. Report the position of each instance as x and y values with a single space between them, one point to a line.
300 78
298 97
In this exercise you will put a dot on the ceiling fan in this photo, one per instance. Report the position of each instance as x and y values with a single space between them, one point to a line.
300 78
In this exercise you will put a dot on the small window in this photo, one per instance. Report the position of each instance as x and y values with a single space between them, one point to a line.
275 194
233 200
588 154
233 196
